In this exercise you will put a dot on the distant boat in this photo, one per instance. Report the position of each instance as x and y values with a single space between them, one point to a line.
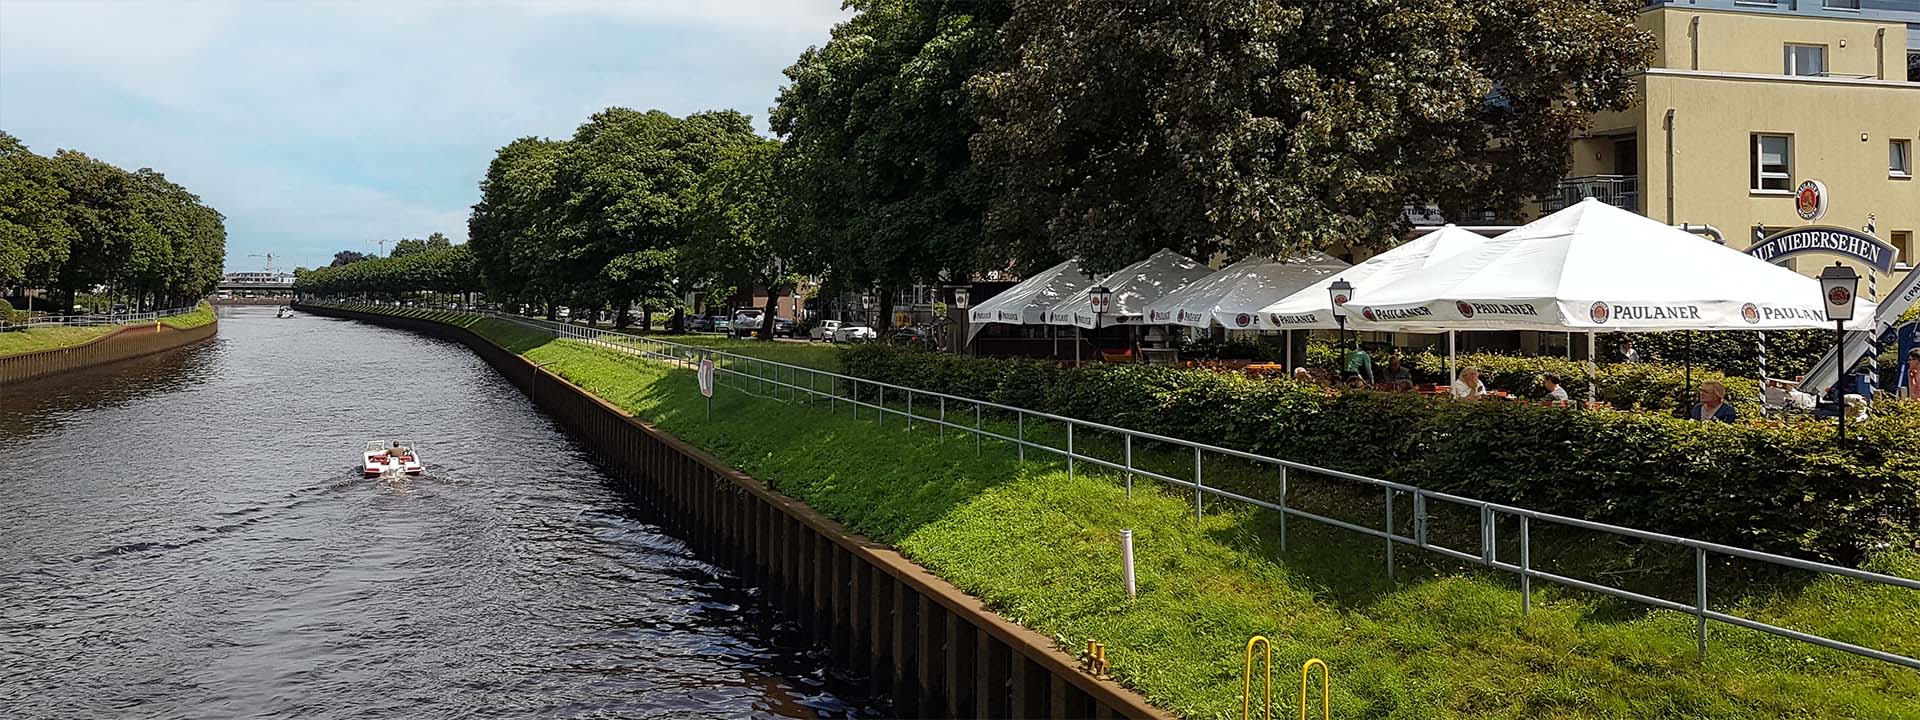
285 312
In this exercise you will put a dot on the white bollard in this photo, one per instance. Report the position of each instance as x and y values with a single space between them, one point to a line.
1126 560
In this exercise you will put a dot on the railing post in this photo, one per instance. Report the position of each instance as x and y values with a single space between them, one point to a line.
1129 445
976 429
943 418
909 408
1700 596
1020 429
1389 527
1283 508
1526 568
882 404
1069 449
1199 502
1420 517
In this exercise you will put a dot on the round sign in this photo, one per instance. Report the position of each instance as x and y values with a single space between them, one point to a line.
1811 200
1839 296
1465 309
1599 312
1750 313
1339 299
1243 319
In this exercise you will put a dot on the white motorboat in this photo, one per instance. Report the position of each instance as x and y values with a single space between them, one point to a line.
389 458
285 312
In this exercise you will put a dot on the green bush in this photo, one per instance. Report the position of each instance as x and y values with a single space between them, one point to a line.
1766 485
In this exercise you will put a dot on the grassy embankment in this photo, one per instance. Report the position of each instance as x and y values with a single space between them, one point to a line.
49 338
1041 548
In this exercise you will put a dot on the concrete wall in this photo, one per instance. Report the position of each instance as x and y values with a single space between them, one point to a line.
933 648
1749 42
127 343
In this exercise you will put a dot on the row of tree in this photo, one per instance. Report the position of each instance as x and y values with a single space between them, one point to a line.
441 268
71 223
933 139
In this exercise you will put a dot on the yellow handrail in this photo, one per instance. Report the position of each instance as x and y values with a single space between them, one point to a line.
1246 679
1326 683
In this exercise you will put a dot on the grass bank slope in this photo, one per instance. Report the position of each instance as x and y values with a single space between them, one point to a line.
1040 547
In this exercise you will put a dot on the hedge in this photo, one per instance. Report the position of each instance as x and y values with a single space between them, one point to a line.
1766 485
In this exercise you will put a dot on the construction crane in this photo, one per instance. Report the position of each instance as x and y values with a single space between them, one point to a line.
269 257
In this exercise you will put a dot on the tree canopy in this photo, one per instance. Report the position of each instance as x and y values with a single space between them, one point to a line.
72 223
1267 126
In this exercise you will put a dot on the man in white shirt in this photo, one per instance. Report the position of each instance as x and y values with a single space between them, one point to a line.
1554 391
1468 386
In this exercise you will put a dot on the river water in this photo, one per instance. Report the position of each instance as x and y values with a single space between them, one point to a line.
188 536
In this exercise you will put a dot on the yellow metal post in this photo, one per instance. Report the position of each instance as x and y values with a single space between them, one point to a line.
1246 679
1326 686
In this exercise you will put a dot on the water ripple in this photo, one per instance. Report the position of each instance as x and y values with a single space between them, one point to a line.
186 537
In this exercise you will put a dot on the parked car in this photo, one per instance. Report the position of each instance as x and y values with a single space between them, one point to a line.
563 314
824 330
720 324
782 327
916 337
747 320
854 333
699 323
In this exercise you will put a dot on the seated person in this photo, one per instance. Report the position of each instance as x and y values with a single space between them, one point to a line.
1554 391
1397 375
1469 387
1713 405
1300 375
1355 382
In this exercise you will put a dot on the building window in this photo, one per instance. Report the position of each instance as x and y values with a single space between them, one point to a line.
1807 60
1840 4
1903 241
1900 158
1773 163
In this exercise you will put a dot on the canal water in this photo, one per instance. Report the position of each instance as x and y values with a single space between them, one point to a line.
188 536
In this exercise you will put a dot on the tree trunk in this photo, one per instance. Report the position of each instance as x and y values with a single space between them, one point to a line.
646 319
624 316
678 325
883 325
766 317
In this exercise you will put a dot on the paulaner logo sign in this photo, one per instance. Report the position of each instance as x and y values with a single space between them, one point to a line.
1603 312
1382 314
1470 309
1826 239
1299 319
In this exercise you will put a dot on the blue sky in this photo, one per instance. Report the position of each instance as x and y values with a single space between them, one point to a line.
324 126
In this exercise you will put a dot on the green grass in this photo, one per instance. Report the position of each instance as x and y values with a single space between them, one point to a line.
47 338
1041 548
201 315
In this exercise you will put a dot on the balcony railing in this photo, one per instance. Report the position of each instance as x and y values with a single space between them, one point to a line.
1621 191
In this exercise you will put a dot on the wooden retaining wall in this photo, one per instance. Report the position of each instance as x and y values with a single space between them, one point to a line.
934 649
129 342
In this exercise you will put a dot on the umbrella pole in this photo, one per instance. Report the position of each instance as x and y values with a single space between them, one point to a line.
1079 338
1687 398
1453 368
1593 370
1053 331
1289 337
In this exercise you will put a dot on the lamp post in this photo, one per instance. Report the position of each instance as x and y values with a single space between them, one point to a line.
866 310
1099 298
1340 292
961 299
1837 286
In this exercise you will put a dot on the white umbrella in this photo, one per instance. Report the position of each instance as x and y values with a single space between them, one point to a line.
1594 267
1027 302
1134 287
1233 295
1309 309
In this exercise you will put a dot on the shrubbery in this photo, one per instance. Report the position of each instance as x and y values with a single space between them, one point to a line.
1766 485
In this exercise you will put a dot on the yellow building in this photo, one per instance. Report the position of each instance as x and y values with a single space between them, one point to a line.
1746 100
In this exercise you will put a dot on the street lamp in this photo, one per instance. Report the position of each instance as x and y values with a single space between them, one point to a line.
1341 292
960 298
866 310
1838 284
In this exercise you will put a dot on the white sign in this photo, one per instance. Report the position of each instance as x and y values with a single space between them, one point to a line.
1810 200
706 377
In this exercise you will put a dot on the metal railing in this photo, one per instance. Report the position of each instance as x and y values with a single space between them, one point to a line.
773 378
98 319
1621 191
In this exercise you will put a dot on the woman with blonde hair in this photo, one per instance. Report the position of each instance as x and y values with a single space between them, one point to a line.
1713 405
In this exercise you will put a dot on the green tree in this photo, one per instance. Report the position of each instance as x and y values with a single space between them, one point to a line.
348 257
34 234
877 124
738 226
620 188
1265 126
515 215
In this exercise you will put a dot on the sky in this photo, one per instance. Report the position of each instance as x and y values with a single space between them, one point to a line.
324 126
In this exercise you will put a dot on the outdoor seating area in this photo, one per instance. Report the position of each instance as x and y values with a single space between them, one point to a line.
1579 273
